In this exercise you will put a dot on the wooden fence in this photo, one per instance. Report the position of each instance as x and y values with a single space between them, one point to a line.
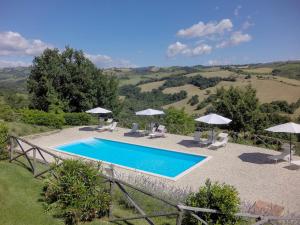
34 154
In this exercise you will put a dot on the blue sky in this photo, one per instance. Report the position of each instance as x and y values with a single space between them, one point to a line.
143 33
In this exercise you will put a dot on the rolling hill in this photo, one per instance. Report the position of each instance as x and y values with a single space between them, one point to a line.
272 81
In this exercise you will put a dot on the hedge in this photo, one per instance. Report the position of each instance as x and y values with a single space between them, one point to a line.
37 117
77 119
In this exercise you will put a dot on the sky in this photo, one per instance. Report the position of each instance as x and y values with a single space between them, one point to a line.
138 33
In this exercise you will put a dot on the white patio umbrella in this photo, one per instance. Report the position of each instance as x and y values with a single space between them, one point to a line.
214 119
291 128
149 112
99 111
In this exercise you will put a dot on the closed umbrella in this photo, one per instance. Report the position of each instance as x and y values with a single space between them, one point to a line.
291 128
214 119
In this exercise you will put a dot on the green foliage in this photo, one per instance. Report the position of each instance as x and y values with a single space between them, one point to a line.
70 82
201 105
178 122
240 105
42 118
16 100
221 197
3 137
136 100
75 192
193 100
6 112
77 119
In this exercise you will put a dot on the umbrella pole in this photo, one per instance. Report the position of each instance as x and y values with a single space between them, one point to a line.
290 147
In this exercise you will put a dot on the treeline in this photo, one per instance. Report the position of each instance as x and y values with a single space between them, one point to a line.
135 99
280 106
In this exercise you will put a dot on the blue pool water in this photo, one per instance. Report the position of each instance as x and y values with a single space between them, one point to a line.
152 160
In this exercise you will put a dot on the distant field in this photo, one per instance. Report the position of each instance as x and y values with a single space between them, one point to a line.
149 86
262 70
215 73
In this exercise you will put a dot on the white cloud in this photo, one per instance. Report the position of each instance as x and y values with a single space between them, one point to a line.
105 61
182 49
7 63
246 25
237 10
176 48
235 39
14 44
201 29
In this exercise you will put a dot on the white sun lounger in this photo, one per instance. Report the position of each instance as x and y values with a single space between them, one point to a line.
110 127
296 162
160 132
285 156
223 140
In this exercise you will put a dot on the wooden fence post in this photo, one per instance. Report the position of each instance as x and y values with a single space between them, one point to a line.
111 191
179 217
11 149
34 161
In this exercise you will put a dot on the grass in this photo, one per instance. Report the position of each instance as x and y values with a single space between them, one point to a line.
19 198
20 201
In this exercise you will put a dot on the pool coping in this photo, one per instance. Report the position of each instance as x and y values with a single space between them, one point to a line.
185 172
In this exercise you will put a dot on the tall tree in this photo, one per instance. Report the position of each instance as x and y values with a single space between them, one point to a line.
240 105
70 82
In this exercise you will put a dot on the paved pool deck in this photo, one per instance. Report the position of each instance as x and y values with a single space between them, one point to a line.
245 167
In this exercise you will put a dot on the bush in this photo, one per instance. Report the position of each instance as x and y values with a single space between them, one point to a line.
179 122
75 192
3 137
221 197
193 100
6 112
42 118
77 119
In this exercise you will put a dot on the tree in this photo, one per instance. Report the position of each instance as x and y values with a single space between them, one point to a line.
70 82
240 105
179 122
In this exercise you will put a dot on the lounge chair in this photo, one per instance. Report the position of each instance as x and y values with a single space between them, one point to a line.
197 136
110 127
296 162
284 155
159 132
109 120
207 141
221 142
135 128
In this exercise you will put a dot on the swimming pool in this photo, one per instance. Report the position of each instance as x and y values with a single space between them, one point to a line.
166 163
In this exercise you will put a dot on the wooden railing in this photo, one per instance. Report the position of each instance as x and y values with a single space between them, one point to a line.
33 154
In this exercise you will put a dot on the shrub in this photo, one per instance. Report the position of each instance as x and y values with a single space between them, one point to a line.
6 112
42 118
193 100
179 122
77 119
3 137
75 192
221 197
